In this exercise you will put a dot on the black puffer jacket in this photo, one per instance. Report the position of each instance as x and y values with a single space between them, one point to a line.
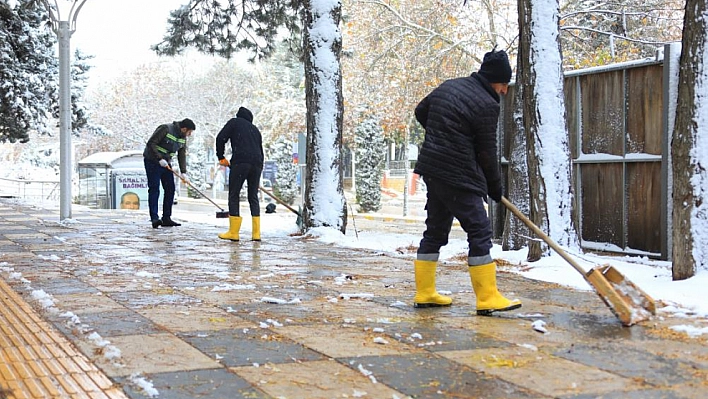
460 119
246 139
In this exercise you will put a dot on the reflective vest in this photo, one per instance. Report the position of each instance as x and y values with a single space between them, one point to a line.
172 142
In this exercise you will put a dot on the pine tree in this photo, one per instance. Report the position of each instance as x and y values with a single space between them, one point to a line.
370 153
222 31
79 70
285 184
197 163
79 113
28 70
283 99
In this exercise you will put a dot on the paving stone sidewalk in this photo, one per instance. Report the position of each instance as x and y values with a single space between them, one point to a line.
178 313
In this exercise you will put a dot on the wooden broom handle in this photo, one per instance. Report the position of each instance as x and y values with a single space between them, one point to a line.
543 235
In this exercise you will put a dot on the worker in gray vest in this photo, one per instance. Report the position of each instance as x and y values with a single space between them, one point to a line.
165 142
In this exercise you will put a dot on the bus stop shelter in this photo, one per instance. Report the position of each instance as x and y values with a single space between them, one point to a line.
107 180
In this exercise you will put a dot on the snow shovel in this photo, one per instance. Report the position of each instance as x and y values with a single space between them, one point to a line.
220 214
627 301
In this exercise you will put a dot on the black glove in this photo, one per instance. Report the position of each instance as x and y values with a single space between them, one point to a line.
495 190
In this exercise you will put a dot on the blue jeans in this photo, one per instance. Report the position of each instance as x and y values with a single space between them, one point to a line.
156 174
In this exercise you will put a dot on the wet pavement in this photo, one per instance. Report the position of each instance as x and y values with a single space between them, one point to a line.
178 313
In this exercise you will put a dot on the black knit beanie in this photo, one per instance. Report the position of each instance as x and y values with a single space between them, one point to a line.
495 67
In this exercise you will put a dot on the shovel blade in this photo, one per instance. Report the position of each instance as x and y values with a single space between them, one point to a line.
628 302
222 215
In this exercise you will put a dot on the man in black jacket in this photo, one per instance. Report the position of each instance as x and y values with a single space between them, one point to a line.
165 142
246 165
458 162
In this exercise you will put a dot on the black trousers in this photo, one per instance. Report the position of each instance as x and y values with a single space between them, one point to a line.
240 173
446 202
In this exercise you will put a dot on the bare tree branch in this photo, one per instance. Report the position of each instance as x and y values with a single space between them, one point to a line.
616 36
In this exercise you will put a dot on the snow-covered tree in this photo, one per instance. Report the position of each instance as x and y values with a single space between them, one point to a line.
41 155
254 25
689 147
541 82
325 205
370 154
218 93
596 32
28 70
516 234
400 50
413 45
79 113
197 162
285 185
211 28
280 95
122 106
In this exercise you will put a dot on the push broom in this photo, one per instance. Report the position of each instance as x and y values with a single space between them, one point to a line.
220 214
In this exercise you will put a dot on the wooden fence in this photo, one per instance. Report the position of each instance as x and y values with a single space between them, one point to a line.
618 126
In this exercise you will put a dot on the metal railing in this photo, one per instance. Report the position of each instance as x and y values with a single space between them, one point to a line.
397 168
34 190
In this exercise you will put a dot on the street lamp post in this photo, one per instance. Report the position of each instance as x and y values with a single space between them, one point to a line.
64 28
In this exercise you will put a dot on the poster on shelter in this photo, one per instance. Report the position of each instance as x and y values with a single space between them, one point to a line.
131 191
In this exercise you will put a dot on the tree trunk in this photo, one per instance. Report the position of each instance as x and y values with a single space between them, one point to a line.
516 234
325 205
525 77
688 208
544 121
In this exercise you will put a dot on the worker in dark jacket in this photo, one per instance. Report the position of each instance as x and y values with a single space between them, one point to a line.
458 163
246 166
165 142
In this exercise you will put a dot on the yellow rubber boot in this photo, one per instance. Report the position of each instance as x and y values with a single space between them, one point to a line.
425 294
234 227
489 300
256 223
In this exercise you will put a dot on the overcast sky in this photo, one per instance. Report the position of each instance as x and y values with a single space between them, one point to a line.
119 33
